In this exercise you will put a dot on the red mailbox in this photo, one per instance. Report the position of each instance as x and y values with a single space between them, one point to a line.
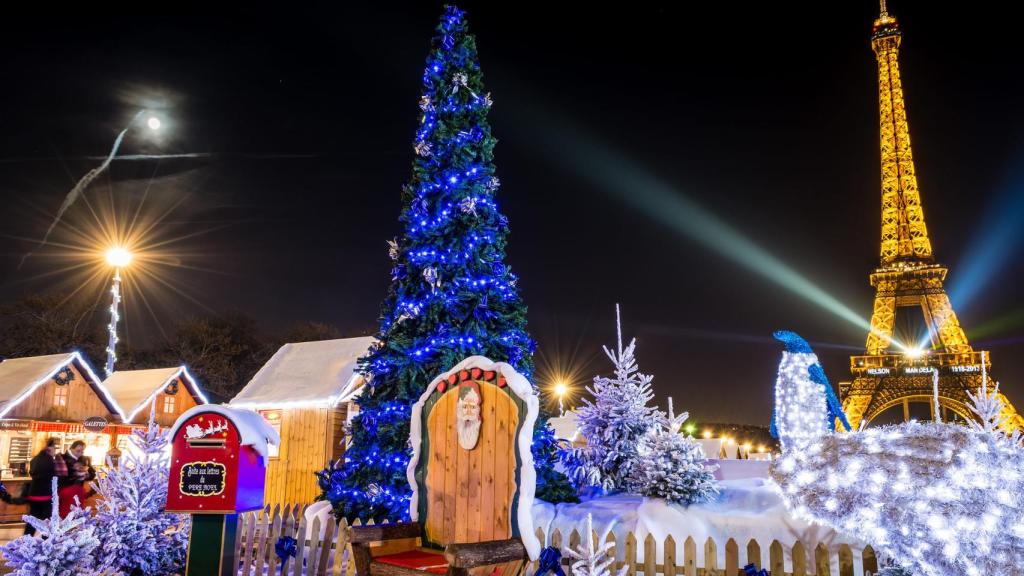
218 460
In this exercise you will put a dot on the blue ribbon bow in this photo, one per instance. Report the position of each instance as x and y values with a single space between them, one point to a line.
751 570
285 547
550 561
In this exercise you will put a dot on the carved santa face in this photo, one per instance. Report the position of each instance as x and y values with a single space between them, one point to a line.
467 415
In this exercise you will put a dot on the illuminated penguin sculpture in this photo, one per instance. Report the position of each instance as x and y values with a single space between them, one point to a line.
805 405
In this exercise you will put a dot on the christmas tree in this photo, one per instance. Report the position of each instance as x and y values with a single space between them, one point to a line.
614 423
137 536
61 547
451 295
671 465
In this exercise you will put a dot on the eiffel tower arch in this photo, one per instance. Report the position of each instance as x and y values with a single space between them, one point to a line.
892 372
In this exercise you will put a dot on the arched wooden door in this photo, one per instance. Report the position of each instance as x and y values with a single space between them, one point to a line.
469 472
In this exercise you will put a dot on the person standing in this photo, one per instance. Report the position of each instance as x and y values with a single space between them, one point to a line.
74 493
72 457
43 468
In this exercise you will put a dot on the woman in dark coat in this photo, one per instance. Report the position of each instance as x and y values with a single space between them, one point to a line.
43 468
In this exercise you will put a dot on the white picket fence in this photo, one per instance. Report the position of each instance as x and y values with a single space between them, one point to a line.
324 550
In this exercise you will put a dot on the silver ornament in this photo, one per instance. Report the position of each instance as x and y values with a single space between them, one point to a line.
460 79
423 149
430 276
468 205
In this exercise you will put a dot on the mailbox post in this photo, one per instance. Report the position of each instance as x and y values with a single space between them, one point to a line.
218 469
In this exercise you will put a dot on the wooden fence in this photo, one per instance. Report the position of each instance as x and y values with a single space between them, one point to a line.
329 554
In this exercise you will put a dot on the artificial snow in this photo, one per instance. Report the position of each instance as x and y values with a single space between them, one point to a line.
747 508
566 426
134 390
19 377
253 429
307 373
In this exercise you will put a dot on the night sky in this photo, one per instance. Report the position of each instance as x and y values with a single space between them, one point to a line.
764 115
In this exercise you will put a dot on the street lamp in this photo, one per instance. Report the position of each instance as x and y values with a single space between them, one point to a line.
561 390
118 257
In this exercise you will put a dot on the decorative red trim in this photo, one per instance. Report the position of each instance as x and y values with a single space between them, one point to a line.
74 428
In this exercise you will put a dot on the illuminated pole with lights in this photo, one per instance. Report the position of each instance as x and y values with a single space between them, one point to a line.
118 258
560 390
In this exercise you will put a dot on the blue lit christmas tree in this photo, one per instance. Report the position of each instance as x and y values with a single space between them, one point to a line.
451 295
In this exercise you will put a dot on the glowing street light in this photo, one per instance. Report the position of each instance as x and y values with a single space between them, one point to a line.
118 257
153 123
561 389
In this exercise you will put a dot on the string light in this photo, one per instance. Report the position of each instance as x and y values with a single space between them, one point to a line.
115 317
940 499
83 364
190 383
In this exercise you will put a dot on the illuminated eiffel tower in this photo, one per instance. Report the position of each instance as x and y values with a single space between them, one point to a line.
894 373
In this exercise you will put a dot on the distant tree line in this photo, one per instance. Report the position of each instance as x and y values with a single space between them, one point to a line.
223 351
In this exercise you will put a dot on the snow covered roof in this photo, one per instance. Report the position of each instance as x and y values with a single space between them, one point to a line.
252 427
19 377
307 374
135 389
565 426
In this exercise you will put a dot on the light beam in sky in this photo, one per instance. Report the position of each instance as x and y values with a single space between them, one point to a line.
81 185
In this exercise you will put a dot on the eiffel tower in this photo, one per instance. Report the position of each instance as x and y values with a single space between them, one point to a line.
893 373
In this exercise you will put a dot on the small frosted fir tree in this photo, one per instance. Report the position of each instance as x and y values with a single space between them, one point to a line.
592 558
989 408
61 547
137 536
671 465
613 423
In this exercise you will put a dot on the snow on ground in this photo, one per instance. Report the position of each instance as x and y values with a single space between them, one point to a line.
749 507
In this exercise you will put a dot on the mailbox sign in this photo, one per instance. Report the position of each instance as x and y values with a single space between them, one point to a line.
203 478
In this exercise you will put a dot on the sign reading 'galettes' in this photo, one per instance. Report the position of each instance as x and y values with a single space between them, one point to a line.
95 424
203 478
